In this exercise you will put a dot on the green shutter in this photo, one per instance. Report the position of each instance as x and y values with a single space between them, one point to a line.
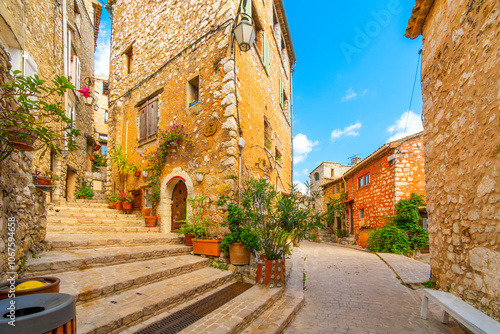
246 7
281 93
266 53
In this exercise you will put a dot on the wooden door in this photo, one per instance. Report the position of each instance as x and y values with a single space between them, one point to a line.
178 205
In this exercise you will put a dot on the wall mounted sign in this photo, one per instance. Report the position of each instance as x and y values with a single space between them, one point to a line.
210 129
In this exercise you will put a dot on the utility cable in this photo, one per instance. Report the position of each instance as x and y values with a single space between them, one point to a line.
413 91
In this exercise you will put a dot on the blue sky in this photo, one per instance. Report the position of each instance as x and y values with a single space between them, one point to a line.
352 82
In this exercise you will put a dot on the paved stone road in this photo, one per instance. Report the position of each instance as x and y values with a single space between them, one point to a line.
349 291
410 270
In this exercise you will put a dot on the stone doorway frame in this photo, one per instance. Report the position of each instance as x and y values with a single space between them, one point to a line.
167 187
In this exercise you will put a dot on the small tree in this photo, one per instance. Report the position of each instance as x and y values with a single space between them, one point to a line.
407 218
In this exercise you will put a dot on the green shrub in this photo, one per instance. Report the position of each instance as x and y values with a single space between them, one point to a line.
407 218
84 191
388 239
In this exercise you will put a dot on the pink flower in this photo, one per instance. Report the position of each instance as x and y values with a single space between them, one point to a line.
84 91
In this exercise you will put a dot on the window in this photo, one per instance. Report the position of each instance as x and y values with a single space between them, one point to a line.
361 213
104 149
193 91
261 42
284 100
105 88
364 180
148 120
268 134
332 173
147 200
279 156
316 176
105 116
129 59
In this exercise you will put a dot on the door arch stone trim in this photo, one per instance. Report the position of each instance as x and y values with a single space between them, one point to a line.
167 187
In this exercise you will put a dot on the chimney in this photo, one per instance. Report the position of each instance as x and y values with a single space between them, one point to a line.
355 161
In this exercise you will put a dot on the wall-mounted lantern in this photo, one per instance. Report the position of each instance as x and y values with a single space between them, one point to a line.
244 31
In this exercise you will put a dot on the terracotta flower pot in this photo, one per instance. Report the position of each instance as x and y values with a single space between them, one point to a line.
363 237
51 286
43 181
21 139
239 255
150 221
92 158
188 239
271 266
118 206
206 247
137 173
127 205
112 205
81 197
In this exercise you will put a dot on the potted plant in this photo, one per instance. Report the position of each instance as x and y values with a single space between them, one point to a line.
126 200
364 235
112 199
118 204
199 176
137 173
45 179
241 239
85 192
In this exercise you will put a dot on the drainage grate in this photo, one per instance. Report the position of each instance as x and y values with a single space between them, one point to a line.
179 320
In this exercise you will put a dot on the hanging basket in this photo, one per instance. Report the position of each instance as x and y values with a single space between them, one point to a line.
21 139
43 181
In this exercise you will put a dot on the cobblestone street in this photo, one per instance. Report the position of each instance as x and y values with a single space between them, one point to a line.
350 291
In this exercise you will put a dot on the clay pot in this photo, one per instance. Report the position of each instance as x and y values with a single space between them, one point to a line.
43 181
52 286
127 205
92 158
239 255
137 173
118 206
111 205
81 197
188 239
363 237
21 139
150 221
206 247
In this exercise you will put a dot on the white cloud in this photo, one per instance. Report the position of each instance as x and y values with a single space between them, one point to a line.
351 94
304 172
408 124
301 147
301 187
102 52
351 130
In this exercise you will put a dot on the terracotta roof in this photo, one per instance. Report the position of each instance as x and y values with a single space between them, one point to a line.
325 185
417 18
380 152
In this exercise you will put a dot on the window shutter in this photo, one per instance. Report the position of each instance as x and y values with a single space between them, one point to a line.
152 116
69 53
266 53
281 93
29 66
142 122
77 74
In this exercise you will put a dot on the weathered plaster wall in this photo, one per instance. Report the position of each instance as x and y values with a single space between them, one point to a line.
20 202
461 95
160 67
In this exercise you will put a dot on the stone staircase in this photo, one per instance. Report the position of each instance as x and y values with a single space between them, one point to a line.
125 276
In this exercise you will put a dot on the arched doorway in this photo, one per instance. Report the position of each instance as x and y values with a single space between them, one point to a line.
179 196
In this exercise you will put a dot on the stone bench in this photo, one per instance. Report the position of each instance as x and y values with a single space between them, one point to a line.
475 320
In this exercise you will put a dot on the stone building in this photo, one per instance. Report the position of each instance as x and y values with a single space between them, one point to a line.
375 184
49 39
324 173
101 92
183 67
60 42
461 109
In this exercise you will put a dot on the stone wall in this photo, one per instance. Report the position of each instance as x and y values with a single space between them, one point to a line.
461 95
235 93
20 202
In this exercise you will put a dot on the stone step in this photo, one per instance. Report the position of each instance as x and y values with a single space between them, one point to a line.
85 241
94 222
90 284
71 260
102 215
238 313
99 229
80 209
81 203
114 313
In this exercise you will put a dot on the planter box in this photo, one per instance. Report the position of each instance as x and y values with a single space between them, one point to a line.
206 247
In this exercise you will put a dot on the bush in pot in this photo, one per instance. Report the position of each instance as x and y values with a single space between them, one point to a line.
126 200
112 199
85 192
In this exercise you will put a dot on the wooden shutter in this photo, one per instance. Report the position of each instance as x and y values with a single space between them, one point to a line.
69 53
77 74
266 53
142 122
152 117
281 93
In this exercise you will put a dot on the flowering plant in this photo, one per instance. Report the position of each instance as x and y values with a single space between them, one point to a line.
128 198
156 158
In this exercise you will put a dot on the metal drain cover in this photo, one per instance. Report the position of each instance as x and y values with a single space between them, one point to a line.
179 320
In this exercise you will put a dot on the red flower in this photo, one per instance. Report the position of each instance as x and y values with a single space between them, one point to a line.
84 91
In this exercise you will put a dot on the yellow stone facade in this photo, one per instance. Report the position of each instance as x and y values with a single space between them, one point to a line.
239 94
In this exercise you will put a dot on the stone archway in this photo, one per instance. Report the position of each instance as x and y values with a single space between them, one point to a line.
167 188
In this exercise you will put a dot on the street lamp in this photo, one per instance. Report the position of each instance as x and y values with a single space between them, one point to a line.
244 32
